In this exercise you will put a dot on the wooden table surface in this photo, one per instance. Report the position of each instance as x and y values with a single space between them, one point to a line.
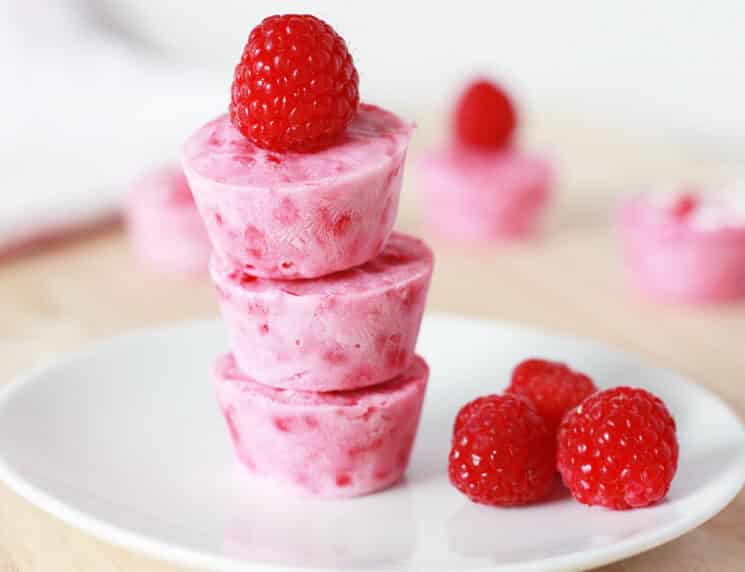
569 280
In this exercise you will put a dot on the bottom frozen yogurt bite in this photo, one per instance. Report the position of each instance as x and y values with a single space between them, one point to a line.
336 444
164 225
482 196
686 245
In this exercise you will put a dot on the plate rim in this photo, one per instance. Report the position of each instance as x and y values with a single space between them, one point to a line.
177 554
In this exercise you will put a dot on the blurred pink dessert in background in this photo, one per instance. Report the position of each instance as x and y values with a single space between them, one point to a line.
299 215
163 223
338 444
345 330
480 187
686 246
484 196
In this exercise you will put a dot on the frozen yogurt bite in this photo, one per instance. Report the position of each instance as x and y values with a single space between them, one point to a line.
480 187
345 330
331 445
163 223
480 197
686 245
299 215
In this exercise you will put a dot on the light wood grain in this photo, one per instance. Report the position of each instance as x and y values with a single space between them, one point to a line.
569 280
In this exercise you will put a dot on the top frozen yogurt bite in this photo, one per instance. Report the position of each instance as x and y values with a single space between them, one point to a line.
219 152
299 215
299 180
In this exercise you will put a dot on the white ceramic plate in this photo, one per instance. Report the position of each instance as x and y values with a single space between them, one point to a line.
125 441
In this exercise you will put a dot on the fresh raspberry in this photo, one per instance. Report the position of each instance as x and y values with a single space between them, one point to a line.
484 116
296 87
503 452
684 205
552 387
618 449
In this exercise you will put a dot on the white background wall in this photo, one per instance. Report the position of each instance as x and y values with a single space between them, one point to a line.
83 108
670 64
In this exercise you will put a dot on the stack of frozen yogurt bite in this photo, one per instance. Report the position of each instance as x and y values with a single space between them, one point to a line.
298 187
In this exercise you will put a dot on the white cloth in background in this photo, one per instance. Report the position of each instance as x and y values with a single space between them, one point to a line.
83 112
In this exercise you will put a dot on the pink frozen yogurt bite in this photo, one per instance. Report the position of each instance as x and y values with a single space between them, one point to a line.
477 196
339 444
164 225
299 215
346 330
686 246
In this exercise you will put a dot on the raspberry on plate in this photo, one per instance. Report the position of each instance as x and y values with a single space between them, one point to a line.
551 386
296 87
618 449
484 116
502 453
